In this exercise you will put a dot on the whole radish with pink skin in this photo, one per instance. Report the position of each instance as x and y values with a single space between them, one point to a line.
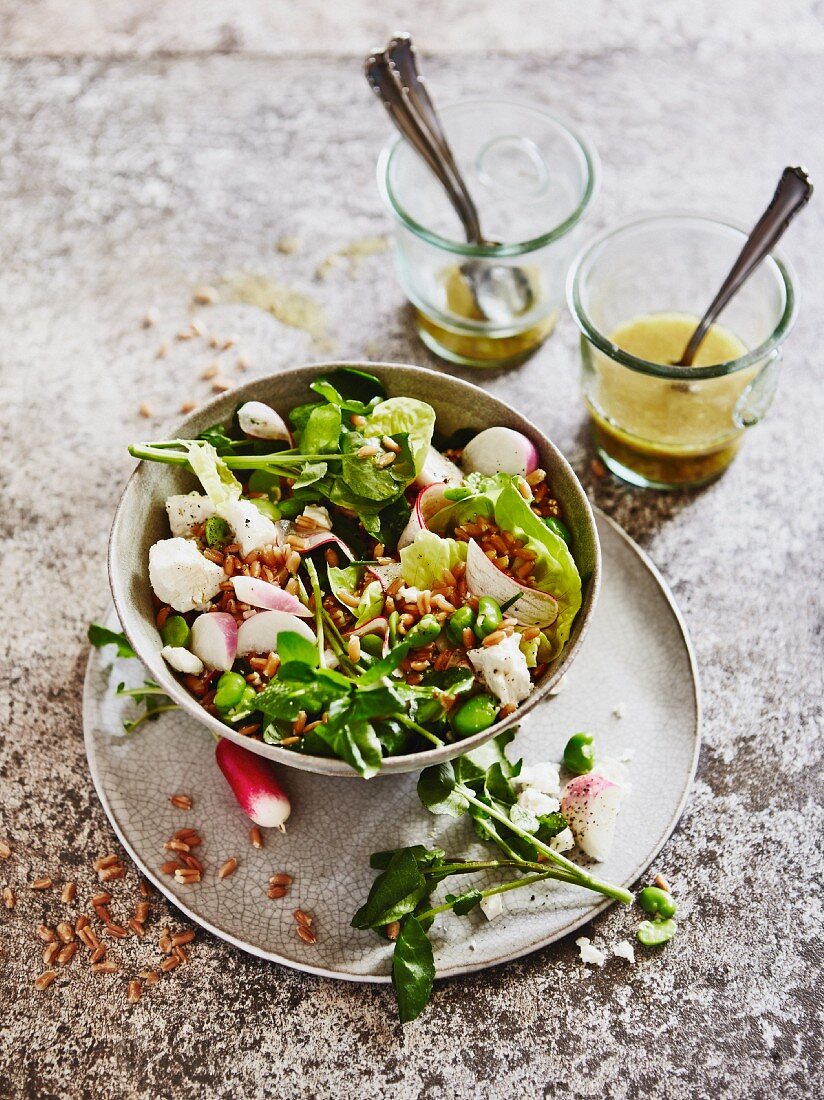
590 803
254 784
500 451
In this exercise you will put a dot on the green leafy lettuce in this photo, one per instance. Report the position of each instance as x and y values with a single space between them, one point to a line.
405 415
424 560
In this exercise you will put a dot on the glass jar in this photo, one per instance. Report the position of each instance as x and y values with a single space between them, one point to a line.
656 425
532 179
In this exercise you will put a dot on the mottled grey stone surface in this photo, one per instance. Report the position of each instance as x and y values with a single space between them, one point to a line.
124 183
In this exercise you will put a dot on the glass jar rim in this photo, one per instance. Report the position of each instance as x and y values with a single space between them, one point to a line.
781 267
515 248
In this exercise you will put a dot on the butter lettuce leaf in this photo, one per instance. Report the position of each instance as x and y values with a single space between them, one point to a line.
219 483
405 414
424 560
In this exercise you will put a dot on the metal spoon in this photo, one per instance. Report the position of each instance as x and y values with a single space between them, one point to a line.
793 192
500 293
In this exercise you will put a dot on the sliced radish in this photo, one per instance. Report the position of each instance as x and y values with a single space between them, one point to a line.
379 625
533 608
316 539
254 783
386 574
438 468
428 503
214 639
262 422
590 803
500 451
259 634
258 593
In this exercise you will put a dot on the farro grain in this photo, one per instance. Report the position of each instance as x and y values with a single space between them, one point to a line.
102 913
277 892
293 562
110 873
44 883
67 953
662 884
255 837
65 932
146 410
506 710
116 930
98 954
44 980
137 928
389 444
169 867
353 648
46 934
357 421
151 317
81 922
106 967
169 963
281 879
393 930
141 911
49 953
102 862
181 953
164 941
248 731
300 722
5 849
181 801
494 638
134 991
210 371
306 934
86 938
536 477
162 351
468 637
228 868
177 846
530 633
187 407
150 977
385 459
204 295
187 876
9 897
68 893
101 898
302 917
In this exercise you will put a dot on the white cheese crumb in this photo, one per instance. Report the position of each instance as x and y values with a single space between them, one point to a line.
181 659
253 530
503 669
624 950
187 510
538 803
318 515
492 906
543 776
563 842
180 575
618 710
590 954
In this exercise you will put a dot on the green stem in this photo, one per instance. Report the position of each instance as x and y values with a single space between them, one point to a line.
419 729
313 579
156 452
515 884
582 877
132 726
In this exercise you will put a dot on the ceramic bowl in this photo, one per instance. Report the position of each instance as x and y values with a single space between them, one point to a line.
140 521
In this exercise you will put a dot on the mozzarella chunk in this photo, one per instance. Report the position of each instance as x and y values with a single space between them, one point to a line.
181 659
543 776
180 575
503 669
493 906
563 842
252 530
187 510
538 803
590 954
624 950
318 515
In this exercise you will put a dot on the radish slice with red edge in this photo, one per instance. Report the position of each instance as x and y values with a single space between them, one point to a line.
500 451
317 539
386 574
214 639
378 625
259 634
590 803
255 785
258 593
532 608
428 503
262 422
438 469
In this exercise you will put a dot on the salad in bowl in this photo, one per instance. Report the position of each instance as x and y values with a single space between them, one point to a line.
339 576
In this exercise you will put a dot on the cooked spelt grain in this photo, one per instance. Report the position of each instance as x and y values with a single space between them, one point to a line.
169 867
44 883
102 862
101 898
51 950
169 963
353 648
44 980
137 928
302 917
389 444
67 953
187 876
255 837
141 911
146 410
5 849
494 638
357 421
110 873
177 846
65 932
306 934
277 892
468 637
46 934
116 930
385 460
181 801
9 897
205 295
98 955
144 888
186 936
164 941
68 893
228 868
150 977
106 967
133 992
102 913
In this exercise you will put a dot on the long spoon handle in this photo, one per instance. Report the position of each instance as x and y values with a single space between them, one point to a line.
383 82
401 54
793 192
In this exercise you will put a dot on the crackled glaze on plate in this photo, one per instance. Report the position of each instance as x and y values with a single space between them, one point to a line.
637 658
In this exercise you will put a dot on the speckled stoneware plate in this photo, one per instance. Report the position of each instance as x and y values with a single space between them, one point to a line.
634 686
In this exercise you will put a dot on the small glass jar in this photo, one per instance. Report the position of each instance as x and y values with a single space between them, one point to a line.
531 179
661 426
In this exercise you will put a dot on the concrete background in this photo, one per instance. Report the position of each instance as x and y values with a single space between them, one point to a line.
146 148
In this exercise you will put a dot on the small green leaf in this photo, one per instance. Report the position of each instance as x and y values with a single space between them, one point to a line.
294 647
413 969
322 432
466 902
100 636
438 791
424 857
394 893
310 474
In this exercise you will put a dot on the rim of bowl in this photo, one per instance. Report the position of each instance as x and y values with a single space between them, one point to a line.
584 146
589 255
325 765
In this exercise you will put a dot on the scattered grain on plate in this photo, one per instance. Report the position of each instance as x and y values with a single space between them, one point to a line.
255 837
164 941
184 334
101 898
97 955
102 862
49 953
228 868
67 953
151 318
597 467
65 932
116 930
146 410
169 963
303 918
186 936
205 295
105 967
137 928
281 879
150 977
81 922
181 801
141 911
68 893
48 935
187 407
222 385
162 351
133 992
662 884
144 888
44 883
306 934
287 245
275 893
102 913
187 876
110 873
9 897
211 370
5 849
44 980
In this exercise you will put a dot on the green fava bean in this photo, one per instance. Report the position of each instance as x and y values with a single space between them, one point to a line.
458 622
658 903
266 508
559 527
652 932
424 632
372 644
175 631
578 754
489 617
217 532
475 715
230 689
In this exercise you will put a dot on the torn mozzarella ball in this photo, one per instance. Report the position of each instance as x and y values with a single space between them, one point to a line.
185 511
503 669
538 803
182 660
181 576
588 953
624 950
563 841
318 515
543 776
493 906
252 530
